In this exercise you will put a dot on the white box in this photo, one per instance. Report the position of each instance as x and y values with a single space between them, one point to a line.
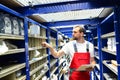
15 26
35 30
5 23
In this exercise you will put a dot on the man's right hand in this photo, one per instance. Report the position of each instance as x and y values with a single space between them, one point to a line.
45 44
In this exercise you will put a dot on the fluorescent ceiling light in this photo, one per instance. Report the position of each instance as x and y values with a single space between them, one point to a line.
37 2
71 15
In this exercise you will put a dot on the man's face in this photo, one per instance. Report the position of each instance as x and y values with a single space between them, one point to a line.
76 33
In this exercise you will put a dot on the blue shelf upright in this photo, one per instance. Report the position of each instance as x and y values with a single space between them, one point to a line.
117 35
99 51
48 40
26 49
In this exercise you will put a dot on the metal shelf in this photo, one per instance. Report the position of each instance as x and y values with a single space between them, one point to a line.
109 76
13 51
38 68
111 52
111 67
106 50
11 69
52 63
36 36
10 36
60 69
60 75
96 47
38 78
111 34
36 48
37 59
53 71
60 63
22 78
97 57
52 38
98 67
98 76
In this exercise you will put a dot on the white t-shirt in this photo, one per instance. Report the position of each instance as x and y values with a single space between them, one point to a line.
68 49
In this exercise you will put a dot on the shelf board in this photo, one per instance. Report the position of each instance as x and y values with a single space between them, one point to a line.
11 69
98 76
98 67
52 38
111 67
60 76
60 72
109 76
37 69
60 69
21 77
36 36
60 63
53 62
95 37
13 51
111 34
41 74
10 36
37 59
97 57
96 47
53 71
108 51
60 46
36 48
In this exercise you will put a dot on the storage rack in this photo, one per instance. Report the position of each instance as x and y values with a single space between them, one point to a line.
55 65
108 59
23 64
25 51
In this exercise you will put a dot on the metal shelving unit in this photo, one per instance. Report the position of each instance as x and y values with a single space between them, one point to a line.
105 53
24 50
23 58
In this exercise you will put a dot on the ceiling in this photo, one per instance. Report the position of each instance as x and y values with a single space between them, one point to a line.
64 14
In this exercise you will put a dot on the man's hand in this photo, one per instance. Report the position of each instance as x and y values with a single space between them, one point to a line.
45 44
90 68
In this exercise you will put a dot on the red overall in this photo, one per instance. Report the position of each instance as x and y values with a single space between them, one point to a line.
78 60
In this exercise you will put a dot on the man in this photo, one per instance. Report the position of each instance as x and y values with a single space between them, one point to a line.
80 52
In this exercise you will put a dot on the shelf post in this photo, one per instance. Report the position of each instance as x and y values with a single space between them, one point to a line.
117 35
26 49
57 64
48 52
100 51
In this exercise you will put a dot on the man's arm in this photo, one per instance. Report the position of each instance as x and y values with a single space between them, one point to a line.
92 62
52 50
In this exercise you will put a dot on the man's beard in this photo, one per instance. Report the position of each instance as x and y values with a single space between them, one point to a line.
74 38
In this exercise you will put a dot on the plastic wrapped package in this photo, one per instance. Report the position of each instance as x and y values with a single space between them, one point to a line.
3 47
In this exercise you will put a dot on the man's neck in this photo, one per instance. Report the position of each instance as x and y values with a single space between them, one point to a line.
81 40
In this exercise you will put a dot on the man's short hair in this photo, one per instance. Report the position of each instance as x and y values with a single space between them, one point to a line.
82 29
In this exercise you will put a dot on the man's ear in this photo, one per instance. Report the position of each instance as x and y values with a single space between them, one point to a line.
82 33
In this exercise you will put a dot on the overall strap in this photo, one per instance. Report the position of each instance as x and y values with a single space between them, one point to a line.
87 47
75 47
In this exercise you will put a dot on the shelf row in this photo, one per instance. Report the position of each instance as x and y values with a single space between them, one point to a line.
108 51
111 34
15 51
110 66
24 57
15 67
